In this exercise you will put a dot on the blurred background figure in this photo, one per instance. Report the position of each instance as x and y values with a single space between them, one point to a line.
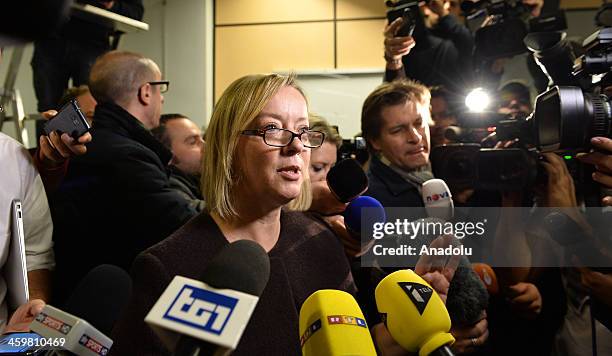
184 139
69 52
324 157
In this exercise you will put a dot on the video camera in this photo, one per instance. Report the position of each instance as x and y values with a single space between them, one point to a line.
500 26
354 148
564 120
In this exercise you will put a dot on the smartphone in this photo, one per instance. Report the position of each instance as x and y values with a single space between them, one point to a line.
70 120
15 270
408 11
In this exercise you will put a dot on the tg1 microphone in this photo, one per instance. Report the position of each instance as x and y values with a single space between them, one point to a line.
332 324
209 316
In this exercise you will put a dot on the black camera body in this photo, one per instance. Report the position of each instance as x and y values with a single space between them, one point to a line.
355 148
501 25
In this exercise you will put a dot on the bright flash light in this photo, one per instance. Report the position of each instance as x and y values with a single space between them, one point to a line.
477 100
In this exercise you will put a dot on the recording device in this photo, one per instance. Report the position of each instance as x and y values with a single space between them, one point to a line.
414 314
360 216
101 296
501 25
209 316
438 199
487 276
70 120
99 299
332 324
467 297
408 11
354 148
347 180
80 337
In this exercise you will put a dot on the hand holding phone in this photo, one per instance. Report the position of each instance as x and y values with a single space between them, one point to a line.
70 120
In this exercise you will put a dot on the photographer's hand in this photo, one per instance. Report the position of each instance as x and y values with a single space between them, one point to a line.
602 162
535 5
396 47
439 7
559 190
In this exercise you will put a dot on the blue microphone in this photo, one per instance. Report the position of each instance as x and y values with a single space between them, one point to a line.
355 217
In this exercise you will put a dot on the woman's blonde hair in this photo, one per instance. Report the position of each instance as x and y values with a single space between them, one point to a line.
318 123
238 106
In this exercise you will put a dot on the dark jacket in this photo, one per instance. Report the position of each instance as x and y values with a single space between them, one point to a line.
442 56
187 186
115 200
392 190
306 258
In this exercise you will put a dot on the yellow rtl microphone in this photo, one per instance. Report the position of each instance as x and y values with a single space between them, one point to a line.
414 314
332 324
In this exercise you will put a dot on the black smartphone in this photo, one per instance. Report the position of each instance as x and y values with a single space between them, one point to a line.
69 119
408 11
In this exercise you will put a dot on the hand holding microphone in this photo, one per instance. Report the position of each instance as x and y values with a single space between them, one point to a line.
24 315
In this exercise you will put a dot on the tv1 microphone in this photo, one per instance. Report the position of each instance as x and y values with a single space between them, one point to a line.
209 316
98 298
487 276
332 324
414 314
438 199
363 212
347 180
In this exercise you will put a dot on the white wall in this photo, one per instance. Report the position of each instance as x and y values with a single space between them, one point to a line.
176 40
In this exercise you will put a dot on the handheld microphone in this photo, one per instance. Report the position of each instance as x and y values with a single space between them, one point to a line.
467 297
355 217
76 335
414 314
209 316
438 199
487 276
347 180
332 324
98 298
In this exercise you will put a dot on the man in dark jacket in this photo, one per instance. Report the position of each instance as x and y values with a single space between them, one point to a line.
184 139
115 200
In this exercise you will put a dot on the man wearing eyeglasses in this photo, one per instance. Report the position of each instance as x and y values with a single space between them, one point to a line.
115 200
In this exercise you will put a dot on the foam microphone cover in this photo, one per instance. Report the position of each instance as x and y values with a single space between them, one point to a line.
467 296
100 297
243 266
355 217
347 180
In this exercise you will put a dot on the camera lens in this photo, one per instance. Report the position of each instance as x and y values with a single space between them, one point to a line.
567 118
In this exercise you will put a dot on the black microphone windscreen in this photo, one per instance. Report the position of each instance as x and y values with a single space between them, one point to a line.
347 180
243 266
100 297
467 295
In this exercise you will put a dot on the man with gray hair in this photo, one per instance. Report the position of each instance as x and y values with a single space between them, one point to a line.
115 200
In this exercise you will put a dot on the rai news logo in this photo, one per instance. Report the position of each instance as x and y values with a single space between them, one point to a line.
201 309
